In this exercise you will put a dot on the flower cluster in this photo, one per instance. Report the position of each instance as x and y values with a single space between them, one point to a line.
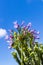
28 51
22 30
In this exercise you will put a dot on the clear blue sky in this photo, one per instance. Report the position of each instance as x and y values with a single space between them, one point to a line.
12 10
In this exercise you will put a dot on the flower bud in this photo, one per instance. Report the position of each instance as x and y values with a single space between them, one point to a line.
16 25
29 25
22 23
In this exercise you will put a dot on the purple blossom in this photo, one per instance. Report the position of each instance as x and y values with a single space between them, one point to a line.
16 25
38 32
29 25
36 37
11 36
32 31
28 30
22 23
24 27
35 32
11 31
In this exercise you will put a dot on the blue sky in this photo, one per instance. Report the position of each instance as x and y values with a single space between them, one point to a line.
12 10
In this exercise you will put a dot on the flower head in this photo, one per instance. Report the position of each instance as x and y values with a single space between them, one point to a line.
11 36
16 25
10 31
32 31
38 32
22 23
36 37
29 25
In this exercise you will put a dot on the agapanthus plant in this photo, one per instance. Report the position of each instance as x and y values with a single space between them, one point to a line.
28 50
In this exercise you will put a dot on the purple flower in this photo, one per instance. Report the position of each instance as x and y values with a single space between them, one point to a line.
22 23
38 32
16 25
35 32
29 25
36 37
32 31
24 28
11 36
10 31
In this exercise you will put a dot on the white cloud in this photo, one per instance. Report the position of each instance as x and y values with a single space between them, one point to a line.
3 32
